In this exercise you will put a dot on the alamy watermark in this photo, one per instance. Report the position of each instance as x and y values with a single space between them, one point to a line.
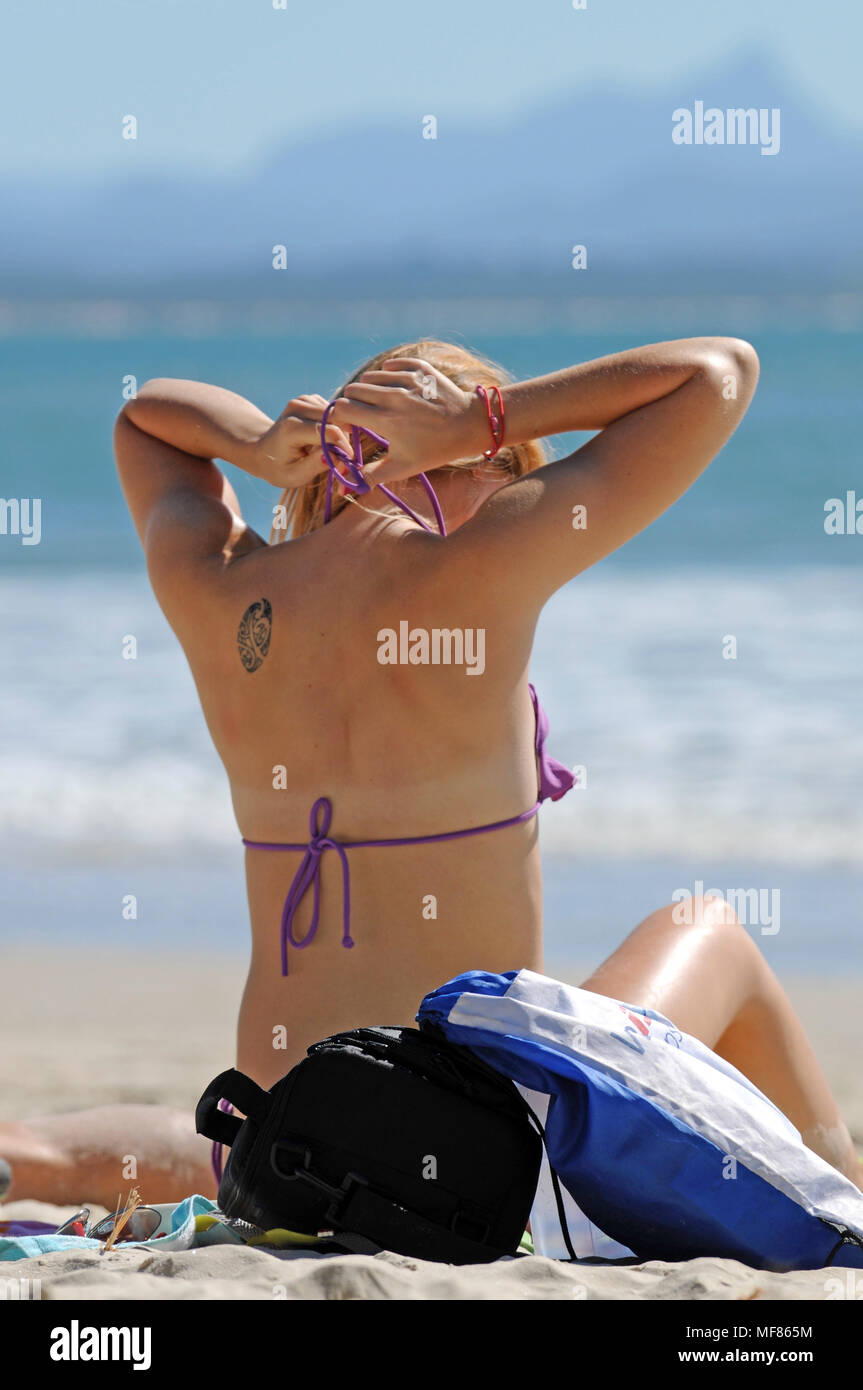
21 516
77 1343
20 1290
735 126
755 907
437 646
844 516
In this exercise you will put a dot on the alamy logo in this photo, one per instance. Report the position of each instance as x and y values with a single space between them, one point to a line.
737 125
753 906
848 1285
437 646
21 516
20 1290
844 516
77 1343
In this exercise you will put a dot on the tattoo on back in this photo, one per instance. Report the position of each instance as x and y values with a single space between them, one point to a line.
253 634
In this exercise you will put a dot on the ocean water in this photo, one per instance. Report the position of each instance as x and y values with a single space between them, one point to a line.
737 763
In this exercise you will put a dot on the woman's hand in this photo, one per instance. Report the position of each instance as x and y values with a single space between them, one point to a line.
428 420
289 454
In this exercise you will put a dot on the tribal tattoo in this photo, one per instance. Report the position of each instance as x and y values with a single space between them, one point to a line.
253 634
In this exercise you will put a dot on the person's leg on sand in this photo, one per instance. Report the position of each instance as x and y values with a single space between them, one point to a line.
711 980
86 1156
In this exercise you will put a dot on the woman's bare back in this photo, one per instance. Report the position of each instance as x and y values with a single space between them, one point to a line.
403 749
284 645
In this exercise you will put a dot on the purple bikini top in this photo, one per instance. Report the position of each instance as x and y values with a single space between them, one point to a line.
555 779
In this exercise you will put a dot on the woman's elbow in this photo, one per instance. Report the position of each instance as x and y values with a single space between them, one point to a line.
744 358
731 366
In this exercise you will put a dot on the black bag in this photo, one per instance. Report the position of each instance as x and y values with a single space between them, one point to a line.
389 1137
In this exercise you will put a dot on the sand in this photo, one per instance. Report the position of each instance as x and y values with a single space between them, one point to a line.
229 1272
78 1030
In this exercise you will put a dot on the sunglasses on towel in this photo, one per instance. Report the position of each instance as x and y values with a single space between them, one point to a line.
142 1224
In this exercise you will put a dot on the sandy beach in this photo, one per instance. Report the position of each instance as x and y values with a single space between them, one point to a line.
81 1029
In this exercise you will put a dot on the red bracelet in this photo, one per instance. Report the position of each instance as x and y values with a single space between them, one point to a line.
495 422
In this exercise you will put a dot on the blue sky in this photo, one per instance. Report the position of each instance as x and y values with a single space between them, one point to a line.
215 83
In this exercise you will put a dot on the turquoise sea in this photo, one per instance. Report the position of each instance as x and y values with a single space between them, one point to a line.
744 774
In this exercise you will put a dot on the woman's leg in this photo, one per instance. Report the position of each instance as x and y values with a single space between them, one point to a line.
97 1155
711 980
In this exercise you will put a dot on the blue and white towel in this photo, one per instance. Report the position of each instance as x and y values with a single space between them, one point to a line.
194 1222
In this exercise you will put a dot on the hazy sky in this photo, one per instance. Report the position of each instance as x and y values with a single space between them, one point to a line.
214 83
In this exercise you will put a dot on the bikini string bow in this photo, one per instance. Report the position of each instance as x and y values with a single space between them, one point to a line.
353 481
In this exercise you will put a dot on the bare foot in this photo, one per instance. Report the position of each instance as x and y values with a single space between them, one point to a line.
37 1167
94 1156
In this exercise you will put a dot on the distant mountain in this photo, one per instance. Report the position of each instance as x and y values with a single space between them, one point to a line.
373 209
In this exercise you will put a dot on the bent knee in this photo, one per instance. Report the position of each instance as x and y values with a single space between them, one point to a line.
717 912
720 929
704 911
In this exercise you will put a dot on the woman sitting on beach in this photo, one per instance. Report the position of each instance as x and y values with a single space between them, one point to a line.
315 665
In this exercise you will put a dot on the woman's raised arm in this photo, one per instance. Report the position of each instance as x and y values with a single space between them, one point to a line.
594 395
167 439
662 412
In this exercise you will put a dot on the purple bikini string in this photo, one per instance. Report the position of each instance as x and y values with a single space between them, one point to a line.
310 869
356 483
320 818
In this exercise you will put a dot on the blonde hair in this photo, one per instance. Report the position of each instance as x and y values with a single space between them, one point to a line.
304 506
